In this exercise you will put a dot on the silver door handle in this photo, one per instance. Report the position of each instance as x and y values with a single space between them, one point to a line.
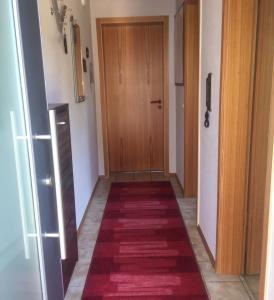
61 123
58 185
48 181
42 137
45 235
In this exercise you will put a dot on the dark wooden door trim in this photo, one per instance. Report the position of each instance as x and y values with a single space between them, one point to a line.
133 20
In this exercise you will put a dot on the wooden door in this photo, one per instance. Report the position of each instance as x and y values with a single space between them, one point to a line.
134 77
260 128
191 95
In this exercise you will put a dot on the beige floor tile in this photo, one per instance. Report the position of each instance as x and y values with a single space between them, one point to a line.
85 254
79 275
178 191
188 203
179 194
93 217
210 275
74 293
194 235
124 177
227 291
188 211
142 176
200 252
190 222
189 216
87 239
100 194
253 284
87 231
110 179
98 204
99 200
155 176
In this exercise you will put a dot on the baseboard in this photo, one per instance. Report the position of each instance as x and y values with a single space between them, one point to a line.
177 179
86 210
211 257
172 174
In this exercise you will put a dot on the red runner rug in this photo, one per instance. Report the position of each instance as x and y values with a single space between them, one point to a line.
143 250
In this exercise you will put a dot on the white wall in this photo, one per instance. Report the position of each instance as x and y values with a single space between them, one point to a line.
269 286
210 56
128 8
60 88
270 260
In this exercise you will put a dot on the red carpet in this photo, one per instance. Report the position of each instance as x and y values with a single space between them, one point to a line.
143 251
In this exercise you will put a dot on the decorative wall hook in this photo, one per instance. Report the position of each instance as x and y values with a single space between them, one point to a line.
59 13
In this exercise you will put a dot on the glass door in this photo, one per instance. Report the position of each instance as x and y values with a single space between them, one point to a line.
21 258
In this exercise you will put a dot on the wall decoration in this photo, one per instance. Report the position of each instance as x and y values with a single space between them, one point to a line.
87 52
59 11
65 44
77 62
91 73
85 65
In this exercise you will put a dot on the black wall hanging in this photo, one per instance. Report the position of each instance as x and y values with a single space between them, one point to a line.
87 52
84 66
208 100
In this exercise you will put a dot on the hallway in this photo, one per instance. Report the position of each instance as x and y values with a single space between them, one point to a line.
219 287
105 107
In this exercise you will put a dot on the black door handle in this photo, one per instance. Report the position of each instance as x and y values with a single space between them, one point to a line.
156 102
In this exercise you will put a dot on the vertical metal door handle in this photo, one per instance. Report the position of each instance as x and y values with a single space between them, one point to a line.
58 186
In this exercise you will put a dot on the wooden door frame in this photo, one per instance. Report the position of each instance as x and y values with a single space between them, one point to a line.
232 194
267 202
164 20
228 220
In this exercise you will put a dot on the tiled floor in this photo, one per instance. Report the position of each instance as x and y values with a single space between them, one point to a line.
219 287
253 283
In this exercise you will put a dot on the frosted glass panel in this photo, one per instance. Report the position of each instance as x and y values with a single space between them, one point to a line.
19 260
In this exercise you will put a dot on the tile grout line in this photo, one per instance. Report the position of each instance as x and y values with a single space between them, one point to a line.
250 294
